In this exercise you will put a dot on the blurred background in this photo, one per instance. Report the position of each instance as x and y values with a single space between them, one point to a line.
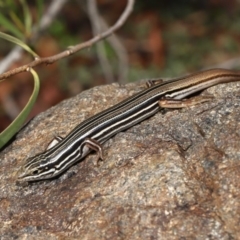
159 39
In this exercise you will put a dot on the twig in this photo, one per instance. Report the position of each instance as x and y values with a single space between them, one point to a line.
54 8
98 22
76 48
229 64
96 26
12 57
8 103
45 21
121 53
10 106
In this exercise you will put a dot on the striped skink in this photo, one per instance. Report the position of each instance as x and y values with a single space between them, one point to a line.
89 135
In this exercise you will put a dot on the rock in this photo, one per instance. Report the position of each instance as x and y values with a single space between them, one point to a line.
174 176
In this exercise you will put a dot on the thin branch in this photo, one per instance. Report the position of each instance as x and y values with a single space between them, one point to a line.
45 21
121 52
10 106
229 64
8 103
101 52
12 57
76 48
99 24
54 8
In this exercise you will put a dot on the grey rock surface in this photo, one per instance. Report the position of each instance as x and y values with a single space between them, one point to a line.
174 176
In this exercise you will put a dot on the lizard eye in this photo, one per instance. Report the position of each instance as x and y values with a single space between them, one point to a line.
35 172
